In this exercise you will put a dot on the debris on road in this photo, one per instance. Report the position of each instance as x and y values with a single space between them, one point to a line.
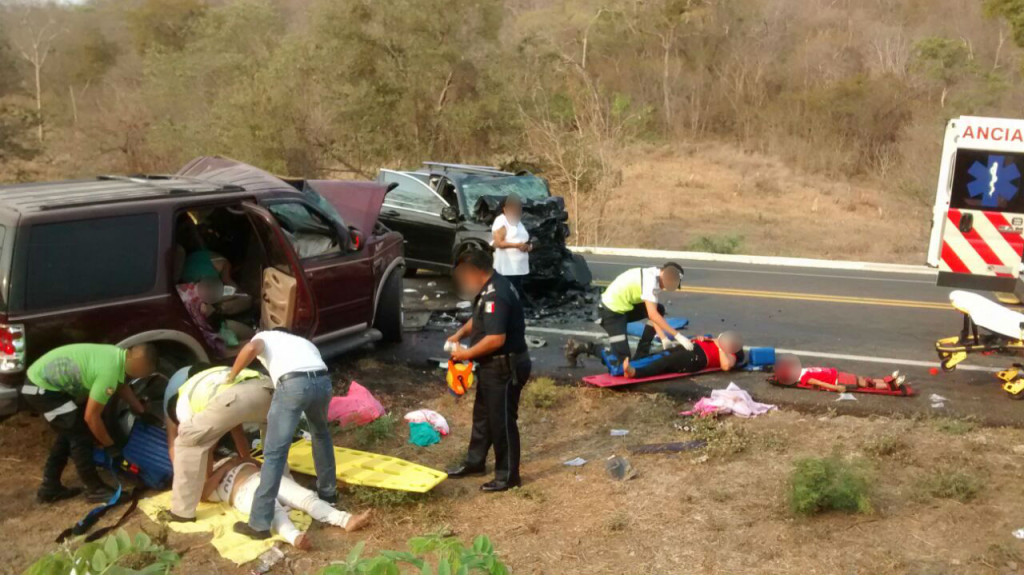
423 434
846 396
619 432
435 419
576 462
938 402
534 342
357 407
267 560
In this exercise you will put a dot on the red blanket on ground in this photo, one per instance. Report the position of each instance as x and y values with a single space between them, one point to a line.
608 380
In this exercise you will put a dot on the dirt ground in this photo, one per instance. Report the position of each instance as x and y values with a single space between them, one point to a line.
723 509
673 196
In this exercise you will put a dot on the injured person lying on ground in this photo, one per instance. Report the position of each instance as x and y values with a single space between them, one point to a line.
790 373
236 480
721 353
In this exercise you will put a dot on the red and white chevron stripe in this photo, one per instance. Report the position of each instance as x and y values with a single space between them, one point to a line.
984 250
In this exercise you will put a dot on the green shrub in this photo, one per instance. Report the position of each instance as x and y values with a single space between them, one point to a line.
820 484
717 244
443 555
724 438
381 429
115 554
954 426
952 484
543 393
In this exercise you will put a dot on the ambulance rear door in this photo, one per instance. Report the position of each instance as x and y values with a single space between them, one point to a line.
983 232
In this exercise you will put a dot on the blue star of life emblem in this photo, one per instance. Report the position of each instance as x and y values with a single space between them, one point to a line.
993 182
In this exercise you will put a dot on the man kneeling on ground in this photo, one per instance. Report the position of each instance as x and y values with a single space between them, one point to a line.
723 352
236 480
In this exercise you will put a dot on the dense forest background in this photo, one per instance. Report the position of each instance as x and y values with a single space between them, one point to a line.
837 90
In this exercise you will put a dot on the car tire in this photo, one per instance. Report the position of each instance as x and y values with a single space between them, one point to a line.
389 309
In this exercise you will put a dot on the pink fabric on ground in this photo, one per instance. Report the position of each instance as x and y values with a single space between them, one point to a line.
732 399
359 407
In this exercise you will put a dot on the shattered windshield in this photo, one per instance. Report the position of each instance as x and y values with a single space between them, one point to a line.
314 197
527 187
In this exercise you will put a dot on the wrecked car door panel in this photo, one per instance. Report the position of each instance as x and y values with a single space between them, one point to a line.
339 275
414 209
286 300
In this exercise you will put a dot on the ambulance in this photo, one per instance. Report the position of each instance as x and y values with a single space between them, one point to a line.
977 237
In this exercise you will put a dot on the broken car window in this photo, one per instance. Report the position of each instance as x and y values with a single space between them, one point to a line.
411 194
527 187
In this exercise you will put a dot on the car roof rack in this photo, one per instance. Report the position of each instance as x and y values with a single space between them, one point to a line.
46 196
467 168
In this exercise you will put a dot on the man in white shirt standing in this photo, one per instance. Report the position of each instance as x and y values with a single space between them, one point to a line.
301 385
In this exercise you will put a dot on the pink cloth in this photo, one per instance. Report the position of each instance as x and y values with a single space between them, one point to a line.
359 407
189 294
435 419
732 400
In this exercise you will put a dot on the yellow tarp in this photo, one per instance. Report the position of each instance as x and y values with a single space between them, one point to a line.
370 469
219 518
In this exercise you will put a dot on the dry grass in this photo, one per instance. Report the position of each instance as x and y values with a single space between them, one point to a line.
690 197
714 512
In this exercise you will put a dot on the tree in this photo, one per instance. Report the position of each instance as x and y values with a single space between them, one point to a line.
943 61
33 37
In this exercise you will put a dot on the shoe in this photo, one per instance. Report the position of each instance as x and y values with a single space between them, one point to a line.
168 516
465 471
574 349
99 494
242 528
496 486
55 494
332 501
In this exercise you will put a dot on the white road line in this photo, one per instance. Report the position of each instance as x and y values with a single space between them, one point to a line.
828 276
756 260
799 352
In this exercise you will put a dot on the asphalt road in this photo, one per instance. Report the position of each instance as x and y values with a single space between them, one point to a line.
869 322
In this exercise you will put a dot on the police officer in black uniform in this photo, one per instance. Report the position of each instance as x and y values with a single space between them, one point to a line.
497 335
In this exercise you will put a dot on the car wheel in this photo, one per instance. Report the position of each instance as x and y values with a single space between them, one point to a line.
389 309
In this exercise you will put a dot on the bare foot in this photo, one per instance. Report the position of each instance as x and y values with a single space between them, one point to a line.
627 369
302 542
357 522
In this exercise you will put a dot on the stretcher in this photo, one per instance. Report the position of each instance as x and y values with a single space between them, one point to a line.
608 380
369 469
1003 333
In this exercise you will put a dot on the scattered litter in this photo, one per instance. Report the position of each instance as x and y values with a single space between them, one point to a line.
423 434
1018 533
934 371
674 447
357 407
431 284
439 295
409 290
267 561
938 402
620 432
464 305
533 341
846 397
435 419
733 399
619 468
701 459
577 462
425 298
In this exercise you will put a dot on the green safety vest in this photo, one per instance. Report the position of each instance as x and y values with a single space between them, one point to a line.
624 292
203 386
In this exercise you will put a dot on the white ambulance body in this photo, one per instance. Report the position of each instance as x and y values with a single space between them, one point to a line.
977 238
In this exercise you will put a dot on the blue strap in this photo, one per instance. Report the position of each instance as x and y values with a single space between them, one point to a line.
96 513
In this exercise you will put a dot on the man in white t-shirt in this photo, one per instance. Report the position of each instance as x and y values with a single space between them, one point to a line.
301 385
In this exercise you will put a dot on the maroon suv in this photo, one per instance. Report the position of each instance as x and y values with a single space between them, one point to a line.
103 260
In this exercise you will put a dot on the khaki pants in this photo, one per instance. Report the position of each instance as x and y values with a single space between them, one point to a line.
246 402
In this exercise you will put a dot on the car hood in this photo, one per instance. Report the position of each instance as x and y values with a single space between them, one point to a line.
358 202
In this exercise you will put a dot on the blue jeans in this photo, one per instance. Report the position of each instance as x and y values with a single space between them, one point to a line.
292 398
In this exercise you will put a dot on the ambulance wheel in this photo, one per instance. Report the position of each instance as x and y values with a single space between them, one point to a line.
1015 396
945 365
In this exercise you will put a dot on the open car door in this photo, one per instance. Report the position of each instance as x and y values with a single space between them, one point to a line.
285 299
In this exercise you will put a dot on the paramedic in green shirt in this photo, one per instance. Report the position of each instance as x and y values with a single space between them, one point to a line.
633 296
69 386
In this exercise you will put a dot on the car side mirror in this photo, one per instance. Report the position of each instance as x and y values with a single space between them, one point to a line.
355 242
450 214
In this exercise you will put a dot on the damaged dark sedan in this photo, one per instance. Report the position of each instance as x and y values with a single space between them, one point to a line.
443 209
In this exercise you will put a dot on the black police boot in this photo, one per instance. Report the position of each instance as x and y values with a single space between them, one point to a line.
464 470
498 485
